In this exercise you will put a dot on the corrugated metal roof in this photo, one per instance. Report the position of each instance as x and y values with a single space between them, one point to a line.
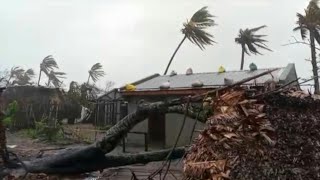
211 79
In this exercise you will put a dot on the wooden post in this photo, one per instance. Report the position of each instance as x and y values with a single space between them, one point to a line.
123 145
145 141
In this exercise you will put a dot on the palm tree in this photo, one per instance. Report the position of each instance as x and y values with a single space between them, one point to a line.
48 64
54 78
25 78
309 22
250 42
15 72
194 30
95 72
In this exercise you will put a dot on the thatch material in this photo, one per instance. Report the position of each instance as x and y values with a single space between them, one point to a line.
274 137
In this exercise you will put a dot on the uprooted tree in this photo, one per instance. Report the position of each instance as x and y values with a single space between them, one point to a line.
247 135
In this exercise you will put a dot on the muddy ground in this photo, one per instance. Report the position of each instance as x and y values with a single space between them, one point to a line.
27 148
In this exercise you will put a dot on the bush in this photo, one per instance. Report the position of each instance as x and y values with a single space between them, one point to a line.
10 113
45 132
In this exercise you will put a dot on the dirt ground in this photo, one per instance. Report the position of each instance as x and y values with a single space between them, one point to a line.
27 148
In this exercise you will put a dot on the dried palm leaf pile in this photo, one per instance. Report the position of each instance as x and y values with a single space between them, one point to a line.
274 136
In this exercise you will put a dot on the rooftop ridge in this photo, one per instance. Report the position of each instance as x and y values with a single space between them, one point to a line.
224 72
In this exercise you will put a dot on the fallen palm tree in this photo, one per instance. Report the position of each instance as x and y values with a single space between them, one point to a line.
274 136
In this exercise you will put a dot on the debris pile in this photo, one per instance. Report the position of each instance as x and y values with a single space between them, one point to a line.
275 136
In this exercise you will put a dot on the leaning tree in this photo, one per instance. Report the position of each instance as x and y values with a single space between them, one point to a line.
95 73
48 64
194 30
310 23
250 42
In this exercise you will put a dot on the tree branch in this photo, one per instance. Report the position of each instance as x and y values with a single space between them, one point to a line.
298 42
115 134
194 115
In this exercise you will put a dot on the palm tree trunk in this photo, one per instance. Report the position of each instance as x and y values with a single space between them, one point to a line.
39 77
242 57
88 79
314 63
48 84
175 52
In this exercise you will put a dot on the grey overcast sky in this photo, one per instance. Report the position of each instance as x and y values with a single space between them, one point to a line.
135 38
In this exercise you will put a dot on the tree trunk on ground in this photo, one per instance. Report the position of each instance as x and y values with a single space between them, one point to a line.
314 63
39 77
175 52
242 57
92 158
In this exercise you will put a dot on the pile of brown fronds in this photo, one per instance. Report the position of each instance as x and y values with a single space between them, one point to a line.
276 136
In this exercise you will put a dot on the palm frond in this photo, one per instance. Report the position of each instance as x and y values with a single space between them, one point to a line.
96 72
303 31
24 78
60 74
48 64
250 41
30 72
262 46
257 28
202 18
313 5
317 36
253 49
54 78
245 49
16 71
194 29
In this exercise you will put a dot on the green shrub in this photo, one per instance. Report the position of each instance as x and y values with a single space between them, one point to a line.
44 132
10 113
47 132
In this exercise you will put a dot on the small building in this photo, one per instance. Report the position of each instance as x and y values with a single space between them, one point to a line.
162 129
110 108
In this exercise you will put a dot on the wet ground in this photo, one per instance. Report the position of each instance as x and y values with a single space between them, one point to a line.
27 148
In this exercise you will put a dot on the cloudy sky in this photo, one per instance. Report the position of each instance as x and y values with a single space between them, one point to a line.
135 38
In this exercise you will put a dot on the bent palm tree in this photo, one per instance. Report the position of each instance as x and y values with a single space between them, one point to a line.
250 42
25 78
310 23
15 72
95 72
47 65
54 78
194 30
